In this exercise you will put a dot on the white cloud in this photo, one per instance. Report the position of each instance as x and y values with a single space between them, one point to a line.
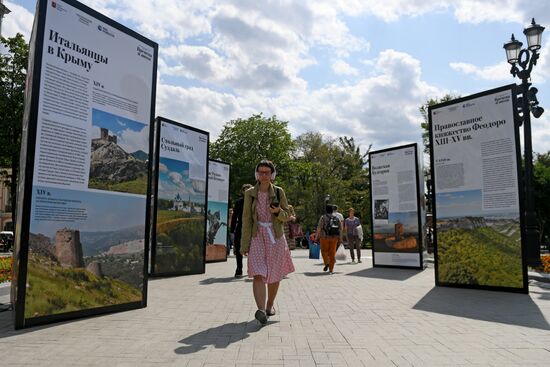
340 67
382 109
18 21
498 72
163 168
132 141
176 178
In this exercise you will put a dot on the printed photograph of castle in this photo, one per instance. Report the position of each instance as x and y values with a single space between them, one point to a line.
474 246
399 234
118 160
81 264
180 219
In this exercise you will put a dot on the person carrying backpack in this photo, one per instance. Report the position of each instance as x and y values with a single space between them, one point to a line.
329 233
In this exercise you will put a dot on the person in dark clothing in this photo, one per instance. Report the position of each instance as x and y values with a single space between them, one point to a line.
235 229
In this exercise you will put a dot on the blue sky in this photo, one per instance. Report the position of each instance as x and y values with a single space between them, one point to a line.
342 67
174 179
115 124
457 204
131 135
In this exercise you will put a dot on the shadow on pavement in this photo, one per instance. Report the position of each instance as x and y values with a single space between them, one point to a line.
220 280
504 308
387 273
315 274
219 336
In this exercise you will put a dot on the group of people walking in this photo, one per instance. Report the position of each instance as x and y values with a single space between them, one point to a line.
258 226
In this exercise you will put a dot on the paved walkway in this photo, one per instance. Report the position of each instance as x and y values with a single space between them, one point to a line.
360 316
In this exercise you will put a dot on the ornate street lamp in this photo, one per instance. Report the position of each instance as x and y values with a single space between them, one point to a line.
527 104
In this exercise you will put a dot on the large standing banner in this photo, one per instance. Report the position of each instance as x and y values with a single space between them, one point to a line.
180 211
397 226
218 211
475 154
82 232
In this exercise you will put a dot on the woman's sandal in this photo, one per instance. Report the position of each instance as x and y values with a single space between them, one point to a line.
271 312
260 315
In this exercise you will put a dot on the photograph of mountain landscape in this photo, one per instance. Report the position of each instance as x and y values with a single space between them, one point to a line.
399 234
77 264
118 160
476 247
181 214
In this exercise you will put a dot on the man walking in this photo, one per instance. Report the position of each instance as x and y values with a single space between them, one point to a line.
236 228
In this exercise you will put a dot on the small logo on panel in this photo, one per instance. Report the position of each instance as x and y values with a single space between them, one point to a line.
145 53
105 30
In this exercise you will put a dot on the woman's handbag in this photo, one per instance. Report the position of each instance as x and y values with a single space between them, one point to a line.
295 230
314 251
341 253
359 230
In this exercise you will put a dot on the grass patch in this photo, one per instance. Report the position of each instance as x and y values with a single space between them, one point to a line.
480 256
137 186
53 289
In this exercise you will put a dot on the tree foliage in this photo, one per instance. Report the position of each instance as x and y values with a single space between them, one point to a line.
13 74
334 167
244 142
309 167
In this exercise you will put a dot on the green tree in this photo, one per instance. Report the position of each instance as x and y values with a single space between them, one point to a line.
13 74
244 142
327 166
541 168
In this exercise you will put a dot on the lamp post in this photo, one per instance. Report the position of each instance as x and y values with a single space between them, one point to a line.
528 103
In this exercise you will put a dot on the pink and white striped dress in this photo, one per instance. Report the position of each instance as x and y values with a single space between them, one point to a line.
267 256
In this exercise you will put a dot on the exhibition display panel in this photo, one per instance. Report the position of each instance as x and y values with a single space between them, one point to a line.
475 161
397 207
181 186
82 234
217 211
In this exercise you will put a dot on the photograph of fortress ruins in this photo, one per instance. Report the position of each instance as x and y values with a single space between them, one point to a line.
64 275
112 166
399 235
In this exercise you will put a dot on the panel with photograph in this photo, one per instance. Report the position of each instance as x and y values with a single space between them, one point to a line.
82 256
180 219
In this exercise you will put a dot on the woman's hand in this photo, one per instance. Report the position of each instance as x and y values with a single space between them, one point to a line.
274 210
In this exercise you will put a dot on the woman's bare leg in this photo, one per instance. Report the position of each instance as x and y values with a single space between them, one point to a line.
258 287
272 289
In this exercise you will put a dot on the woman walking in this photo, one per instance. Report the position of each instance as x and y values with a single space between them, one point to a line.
350 229
329 232
265 211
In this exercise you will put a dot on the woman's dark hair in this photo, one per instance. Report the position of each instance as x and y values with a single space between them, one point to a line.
329 208
266 163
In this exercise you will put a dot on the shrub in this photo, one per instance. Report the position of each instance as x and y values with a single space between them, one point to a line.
5 269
